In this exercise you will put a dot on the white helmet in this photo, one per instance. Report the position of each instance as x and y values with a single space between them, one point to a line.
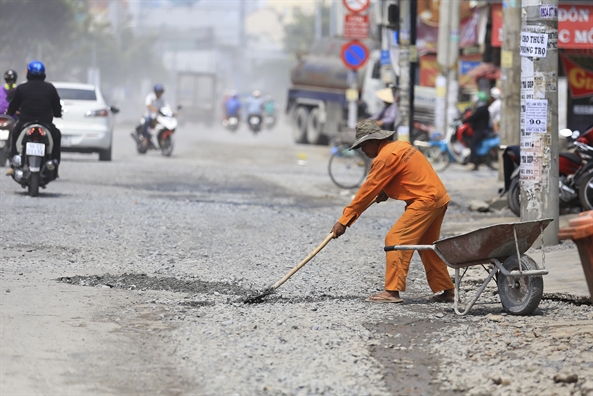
495 93
256 94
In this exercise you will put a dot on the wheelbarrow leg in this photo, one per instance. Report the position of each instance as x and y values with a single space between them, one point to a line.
476 296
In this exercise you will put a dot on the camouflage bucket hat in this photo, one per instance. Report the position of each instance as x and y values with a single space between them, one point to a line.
369 130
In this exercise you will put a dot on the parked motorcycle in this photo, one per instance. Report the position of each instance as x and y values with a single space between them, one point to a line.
33 167
254 121
441 151
575 174
163 127
6 127
231 123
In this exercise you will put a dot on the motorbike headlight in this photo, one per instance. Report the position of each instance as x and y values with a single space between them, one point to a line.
97 113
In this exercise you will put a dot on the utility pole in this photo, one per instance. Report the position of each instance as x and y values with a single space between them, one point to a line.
403 130
447 84
453 74
510 63
539 114
440 111
413 62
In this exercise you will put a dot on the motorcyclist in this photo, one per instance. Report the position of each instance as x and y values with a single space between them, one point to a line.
389 117
232 106
154 102
495 108
255 105
269 107
479 120
7 91
36 100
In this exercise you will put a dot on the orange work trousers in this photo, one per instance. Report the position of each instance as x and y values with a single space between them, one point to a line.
416 227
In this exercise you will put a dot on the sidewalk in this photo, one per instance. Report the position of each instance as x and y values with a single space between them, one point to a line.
566 279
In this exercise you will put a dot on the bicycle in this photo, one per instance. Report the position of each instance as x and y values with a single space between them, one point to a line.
348 168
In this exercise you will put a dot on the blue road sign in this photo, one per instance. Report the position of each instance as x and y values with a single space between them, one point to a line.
354 54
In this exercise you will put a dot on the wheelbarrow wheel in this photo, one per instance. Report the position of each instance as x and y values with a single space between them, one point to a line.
520 295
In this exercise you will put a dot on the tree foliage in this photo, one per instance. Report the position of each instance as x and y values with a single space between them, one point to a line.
300 34
66 38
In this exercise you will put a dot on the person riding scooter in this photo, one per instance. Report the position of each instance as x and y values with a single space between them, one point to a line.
232 106
480 123
389 117
35 100
154 102
254 106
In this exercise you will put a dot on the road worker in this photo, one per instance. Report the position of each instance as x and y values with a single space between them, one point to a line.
399 171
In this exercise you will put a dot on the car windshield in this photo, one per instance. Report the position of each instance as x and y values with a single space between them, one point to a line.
76 94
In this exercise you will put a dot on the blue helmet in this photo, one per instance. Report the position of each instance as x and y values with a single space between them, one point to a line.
159 88
36 68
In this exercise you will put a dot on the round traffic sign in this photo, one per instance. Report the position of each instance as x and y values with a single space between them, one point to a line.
354 54
356 5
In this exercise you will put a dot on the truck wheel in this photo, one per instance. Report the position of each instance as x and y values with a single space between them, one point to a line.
299 125
314 135
105 155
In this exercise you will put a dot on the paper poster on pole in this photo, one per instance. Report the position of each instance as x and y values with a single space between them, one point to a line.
534 44
536 115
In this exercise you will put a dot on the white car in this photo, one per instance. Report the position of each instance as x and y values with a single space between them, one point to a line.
87 121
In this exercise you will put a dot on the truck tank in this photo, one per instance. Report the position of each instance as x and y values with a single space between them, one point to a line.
323 66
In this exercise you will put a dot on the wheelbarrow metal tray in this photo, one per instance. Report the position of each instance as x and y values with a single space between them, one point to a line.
496 241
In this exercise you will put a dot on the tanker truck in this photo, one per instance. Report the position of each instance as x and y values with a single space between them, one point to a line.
316 105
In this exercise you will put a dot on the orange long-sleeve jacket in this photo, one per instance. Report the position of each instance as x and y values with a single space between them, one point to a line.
404 174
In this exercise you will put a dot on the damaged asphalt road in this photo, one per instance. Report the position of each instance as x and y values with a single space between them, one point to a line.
125 277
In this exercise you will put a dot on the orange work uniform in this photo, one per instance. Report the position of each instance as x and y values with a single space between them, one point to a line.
405 174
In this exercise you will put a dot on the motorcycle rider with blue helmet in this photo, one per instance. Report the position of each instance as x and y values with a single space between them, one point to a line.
36 100
154 102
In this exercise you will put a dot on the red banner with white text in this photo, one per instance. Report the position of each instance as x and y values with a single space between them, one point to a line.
575 26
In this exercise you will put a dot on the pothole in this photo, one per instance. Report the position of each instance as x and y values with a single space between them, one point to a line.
145 282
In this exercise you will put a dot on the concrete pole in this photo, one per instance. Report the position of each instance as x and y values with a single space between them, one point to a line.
510 63
413 62
539 114
403 131
318 32
453 61
440 111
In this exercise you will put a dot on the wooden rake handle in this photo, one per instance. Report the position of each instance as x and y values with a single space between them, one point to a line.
309 257
305 261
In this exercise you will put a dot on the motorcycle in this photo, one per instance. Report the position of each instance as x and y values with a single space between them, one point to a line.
163 127
441 151
575 174
254 121
33 167
231 123
6 127
270 121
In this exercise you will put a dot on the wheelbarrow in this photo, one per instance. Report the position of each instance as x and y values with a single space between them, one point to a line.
518 276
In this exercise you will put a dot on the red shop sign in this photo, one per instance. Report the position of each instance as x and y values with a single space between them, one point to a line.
575 26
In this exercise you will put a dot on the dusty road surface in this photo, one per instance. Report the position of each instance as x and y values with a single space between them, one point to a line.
126 277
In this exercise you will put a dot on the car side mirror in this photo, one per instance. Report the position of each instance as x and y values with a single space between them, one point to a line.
114 109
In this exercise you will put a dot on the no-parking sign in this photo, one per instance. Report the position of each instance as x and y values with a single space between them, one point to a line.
354 54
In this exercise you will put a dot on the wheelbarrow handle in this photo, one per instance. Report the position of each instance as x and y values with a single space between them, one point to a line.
408 247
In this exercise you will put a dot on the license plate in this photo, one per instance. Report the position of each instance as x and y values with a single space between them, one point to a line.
4 134
66 141
37 149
